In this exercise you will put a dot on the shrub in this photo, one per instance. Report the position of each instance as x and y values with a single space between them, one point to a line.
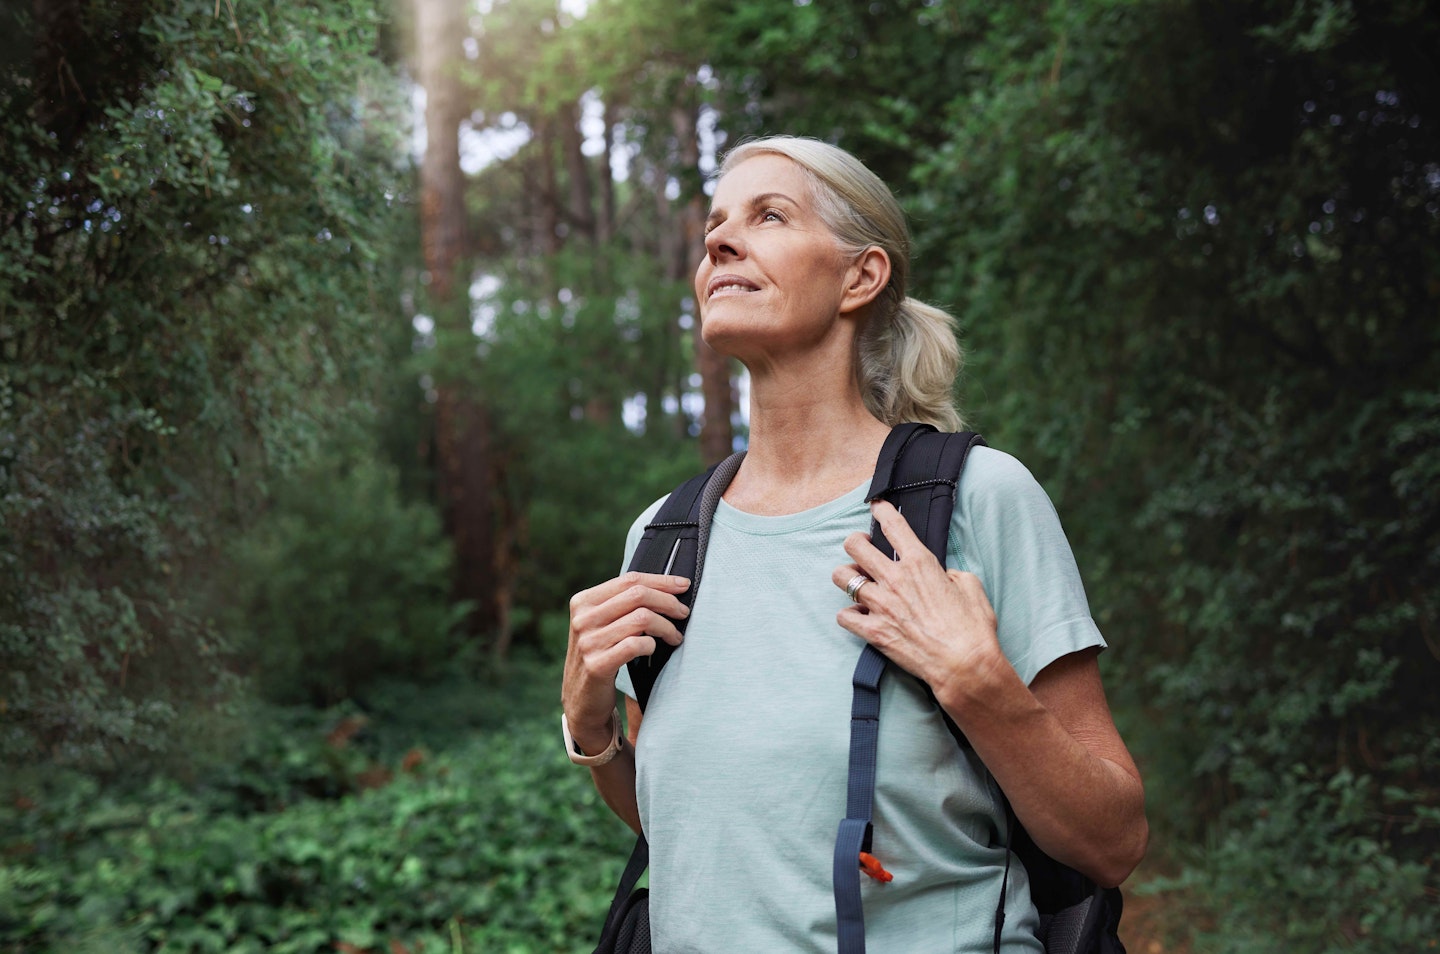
340 582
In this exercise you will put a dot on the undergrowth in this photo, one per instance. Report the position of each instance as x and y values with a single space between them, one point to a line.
342 830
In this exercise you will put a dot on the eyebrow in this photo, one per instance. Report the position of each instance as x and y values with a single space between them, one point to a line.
718 215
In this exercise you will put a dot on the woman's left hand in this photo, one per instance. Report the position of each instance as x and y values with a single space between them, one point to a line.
1042 743
934 623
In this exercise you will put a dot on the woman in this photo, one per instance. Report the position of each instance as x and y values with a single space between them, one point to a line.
738 774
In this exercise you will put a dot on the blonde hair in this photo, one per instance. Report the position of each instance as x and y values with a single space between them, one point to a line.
908 355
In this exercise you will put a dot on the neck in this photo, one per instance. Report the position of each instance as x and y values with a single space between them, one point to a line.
811 439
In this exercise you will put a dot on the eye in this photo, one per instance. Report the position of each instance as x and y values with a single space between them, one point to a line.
772 215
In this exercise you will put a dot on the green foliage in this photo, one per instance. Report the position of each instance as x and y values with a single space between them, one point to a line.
1359 891
458 849
906 61
192 221
339 582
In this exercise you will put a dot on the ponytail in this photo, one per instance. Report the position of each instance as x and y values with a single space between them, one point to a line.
908 364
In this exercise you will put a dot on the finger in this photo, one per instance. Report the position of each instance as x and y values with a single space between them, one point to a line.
844 573
663 582
587 616
637 622
633 647
968 584
602 652
867 557
897 529
857 620
641 596
849 618
965 582
594 691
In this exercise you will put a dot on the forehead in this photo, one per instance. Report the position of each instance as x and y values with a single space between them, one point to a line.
765 174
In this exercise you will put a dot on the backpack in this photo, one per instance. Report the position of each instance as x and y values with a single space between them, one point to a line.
919 471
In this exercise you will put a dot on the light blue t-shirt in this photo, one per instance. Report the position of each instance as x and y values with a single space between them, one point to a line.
743 749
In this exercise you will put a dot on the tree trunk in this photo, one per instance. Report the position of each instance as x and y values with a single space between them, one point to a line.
605 224
439 25
550 239
716 436
577 170
465 477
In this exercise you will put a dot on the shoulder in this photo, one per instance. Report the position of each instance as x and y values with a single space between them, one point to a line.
989 463
993 479
1001 512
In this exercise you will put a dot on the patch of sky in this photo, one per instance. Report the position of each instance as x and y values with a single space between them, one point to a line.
632 413
484 310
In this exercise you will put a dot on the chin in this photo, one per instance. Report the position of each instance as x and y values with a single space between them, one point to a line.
726 335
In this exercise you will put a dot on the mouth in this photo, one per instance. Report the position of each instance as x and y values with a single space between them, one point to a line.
729 285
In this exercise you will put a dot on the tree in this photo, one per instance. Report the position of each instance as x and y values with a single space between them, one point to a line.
467 467
192 221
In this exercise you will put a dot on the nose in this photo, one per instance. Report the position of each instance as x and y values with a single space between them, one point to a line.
723 243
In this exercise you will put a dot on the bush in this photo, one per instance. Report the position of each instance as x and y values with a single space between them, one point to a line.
1304 872
340 582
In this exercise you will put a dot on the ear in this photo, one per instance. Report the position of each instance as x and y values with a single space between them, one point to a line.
865 279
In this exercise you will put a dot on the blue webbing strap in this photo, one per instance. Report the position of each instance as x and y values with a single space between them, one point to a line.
918 470
854 834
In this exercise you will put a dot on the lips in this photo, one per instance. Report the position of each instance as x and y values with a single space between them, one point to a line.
729 284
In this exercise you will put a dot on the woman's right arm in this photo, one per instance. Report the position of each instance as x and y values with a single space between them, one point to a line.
610 625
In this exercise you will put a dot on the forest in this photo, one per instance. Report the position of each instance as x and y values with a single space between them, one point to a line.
342 340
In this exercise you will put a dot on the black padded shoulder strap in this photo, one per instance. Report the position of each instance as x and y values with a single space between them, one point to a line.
674 542
919 471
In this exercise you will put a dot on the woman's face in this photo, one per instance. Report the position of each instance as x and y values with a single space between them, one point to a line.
773 276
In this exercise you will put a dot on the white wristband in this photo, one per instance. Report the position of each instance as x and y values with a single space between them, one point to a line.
613 749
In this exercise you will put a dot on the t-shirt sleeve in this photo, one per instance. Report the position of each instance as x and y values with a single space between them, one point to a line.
1005 530
632 541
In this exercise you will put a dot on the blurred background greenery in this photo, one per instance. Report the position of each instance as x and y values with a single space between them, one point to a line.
341 340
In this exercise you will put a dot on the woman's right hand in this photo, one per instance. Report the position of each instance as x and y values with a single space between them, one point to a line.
610 625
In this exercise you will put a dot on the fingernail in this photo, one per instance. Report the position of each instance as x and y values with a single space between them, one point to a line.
680 581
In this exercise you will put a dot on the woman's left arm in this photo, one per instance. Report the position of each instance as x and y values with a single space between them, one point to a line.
1052 746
